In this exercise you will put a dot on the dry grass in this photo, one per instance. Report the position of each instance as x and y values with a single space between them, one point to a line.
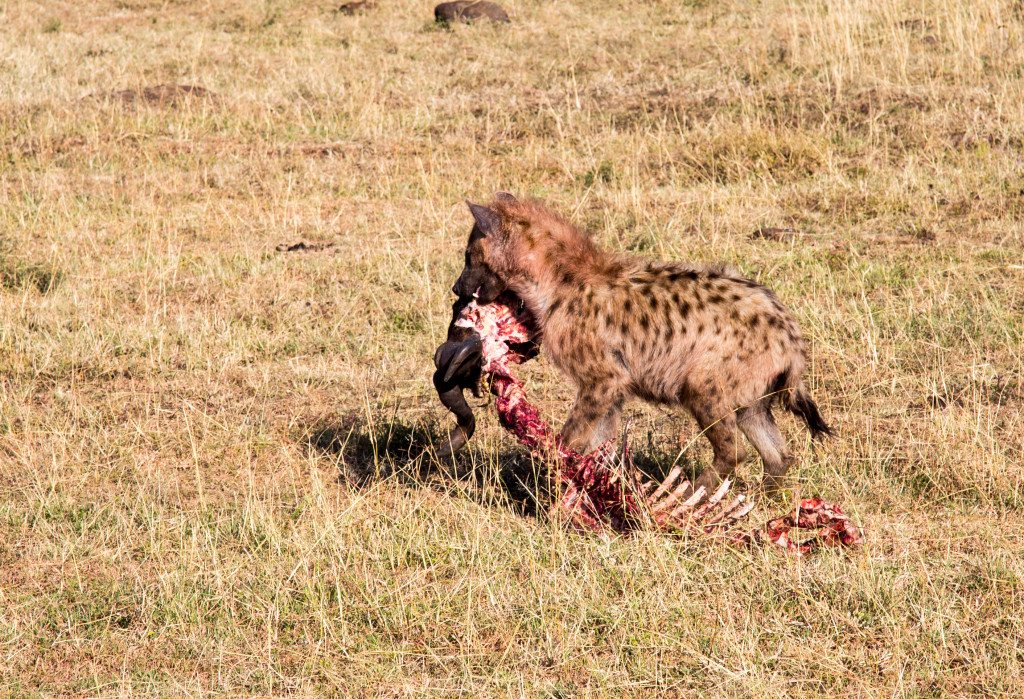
184 410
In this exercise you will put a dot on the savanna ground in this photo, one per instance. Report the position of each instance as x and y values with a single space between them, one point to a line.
215 457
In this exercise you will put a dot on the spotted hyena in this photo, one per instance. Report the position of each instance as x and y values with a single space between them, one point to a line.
706 339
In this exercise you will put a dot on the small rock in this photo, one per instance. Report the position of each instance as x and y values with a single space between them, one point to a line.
469 10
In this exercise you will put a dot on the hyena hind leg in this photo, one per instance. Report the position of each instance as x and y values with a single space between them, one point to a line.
726 443
760 429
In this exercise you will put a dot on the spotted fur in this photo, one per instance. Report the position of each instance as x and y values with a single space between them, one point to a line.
703 338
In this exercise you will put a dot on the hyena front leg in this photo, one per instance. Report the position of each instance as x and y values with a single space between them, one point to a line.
594 417
607 427
721 430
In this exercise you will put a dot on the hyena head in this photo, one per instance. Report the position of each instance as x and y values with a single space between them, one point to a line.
477 276
518 245
487 271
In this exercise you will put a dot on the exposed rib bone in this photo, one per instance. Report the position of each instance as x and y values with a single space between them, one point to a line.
669 501
666 484
726 512
712 501
690 503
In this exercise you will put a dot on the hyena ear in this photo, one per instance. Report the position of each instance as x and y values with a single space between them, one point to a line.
505 198
487 220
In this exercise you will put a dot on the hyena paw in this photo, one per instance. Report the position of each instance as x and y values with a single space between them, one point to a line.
774 487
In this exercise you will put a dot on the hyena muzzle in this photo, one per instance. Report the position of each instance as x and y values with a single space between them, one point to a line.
706 339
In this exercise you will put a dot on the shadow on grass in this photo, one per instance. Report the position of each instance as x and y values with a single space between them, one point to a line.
16 274
368 451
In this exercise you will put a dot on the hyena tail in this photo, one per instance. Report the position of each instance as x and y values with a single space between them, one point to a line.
798 401
803 406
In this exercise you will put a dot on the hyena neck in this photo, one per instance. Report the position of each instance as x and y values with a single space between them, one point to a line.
561 273
553 259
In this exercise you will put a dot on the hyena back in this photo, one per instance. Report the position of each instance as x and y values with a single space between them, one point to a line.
706 339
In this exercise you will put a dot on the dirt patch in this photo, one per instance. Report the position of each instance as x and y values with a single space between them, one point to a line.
774 234
163 95
999 391
355 8
303 246
17 274
323 150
